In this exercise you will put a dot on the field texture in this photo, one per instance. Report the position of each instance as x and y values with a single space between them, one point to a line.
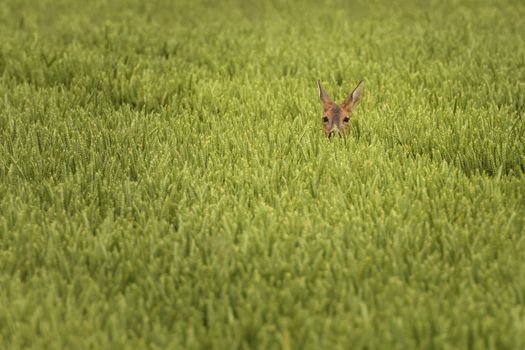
165 182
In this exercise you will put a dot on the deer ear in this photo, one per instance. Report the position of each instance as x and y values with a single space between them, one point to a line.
323 95
355 97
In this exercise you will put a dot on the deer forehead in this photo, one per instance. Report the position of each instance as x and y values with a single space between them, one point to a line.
336 111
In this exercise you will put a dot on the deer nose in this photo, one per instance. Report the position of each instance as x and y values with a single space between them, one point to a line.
333 132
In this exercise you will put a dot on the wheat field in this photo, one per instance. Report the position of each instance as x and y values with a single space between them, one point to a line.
165 182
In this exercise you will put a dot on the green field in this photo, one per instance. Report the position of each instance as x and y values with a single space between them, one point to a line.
165 182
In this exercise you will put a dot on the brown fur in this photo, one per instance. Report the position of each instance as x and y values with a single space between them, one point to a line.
336 117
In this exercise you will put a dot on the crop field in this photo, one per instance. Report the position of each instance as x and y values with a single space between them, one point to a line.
165 182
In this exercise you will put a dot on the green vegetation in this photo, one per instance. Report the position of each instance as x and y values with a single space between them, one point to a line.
165 183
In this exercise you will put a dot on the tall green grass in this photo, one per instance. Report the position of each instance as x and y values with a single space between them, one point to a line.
165 183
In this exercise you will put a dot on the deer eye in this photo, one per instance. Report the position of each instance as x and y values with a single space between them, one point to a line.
346 120
325 119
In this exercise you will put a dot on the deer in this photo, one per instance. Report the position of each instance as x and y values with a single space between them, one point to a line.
336 117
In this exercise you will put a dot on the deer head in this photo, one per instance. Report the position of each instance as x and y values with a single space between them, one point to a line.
336 117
